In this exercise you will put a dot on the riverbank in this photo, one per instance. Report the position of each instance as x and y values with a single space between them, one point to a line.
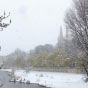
51 79
4 81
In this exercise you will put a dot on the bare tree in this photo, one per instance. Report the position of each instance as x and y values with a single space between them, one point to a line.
2 24
76 20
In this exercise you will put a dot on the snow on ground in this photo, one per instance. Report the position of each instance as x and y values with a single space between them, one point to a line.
7 70
52 79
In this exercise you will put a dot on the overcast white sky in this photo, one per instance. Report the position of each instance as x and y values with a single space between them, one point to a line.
34 22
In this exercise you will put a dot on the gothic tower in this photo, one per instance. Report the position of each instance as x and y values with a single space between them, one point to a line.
67 34
61 34
60 43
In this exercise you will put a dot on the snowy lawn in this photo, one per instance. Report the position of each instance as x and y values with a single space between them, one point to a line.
52 79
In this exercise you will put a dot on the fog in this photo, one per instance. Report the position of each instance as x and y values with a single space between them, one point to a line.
34 22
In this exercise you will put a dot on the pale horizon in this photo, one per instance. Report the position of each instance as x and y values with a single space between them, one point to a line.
34 22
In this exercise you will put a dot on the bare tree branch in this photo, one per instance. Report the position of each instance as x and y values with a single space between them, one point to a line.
76 20
2 24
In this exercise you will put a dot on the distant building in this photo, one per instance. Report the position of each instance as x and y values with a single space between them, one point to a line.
61 40
65 42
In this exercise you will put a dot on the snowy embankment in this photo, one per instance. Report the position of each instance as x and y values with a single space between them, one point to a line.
6 70
52 79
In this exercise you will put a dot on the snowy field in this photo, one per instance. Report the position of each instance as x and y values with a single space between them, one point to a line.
52 79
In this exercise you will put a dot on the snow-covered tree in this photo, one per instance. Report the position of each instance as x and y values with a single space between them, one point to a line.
76 20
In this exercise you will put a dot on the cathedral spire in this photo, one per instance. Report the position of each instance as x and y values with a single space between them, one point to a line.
60 43
67 33
61 33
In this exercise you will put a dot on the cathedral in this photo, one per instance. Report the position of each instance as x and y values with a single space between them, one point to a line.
62 40
65 42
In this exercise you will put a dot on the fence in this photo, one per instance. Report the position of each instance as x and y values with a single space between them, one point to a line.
62 69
